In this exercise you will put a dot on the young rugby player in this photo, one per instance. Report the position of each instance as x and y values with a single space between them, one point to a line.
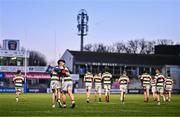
123 81
106 76
160 83
18 81
98 86
146 83
153 88
55 85
168 87
88 79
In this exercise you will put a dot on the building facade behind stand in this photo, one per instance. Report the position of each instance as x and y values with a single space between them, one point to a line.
12 58
81 61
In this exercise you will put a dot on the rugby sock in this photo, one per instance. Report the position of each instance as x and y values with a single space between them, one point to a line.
73 104
17 99
99 99
59 102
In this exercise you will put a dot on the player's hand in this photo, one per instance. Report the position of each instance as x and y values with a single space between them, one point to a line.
63 71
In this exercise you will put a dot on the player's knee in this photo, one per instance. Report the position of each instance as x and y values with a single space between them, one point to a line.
53 90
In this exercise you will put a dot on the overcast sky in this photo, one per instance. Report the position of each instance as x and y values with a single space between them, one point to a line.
38 24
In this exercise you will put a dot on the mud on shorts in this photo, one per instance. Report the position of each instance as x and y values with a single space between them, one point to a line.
55 84
67 85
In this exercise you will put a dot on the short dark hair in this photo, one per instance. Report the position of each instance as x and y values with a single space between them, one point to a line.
61 60
159 69
106 69
18 71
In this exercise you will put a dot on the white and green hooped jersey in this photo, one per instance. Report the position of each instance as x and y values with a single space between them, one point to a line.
169 82
88 78
160 80
67 77
97 79
146 79
123 80
54 76
18 81
107 78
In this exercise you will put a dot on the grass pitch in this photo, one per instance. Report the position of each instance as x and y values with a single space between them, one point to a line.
40 105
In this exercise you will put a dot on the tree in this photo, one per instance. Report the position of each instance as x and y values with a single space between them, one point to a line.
150 47
99 47
119 47
132 46
88 47
37 59
164 42
142 46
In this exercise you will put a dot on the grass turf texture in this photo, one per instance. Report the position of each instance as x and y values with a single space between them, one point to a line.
40 105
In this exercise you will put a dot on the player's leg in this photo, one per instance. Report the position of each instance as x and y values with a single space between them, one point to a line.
109 92
99 93
69 88
124 92
64 100
17 96
158 98
154 93
59 97
106 92
147 93
95 93
162 94
53 98
88 93
122 95
166 94
108 95
63 93
169 95
18 91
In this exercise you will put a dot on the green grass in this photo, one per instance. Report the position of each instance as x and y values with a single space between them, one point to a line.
40 105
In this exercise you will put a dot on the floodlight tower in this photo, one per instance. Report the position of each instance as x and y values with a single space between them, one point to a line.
82 19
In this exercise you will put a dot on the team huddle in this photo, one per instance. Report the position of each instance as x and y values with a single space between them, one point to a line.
61 83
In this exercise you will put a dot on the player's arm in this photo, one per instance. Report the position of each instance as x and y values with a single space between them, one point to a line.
84 78
119 79
92 78
111 79
141 77
14 78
